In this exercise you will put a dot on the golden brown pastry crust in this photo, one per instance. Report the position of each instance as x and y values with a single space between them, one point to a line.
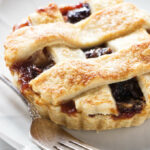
97 5
71 78
98 122
73 73
24 42
46 15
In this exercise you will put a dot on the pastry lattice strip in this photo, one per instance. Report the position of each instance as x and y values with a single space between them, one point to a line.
102 26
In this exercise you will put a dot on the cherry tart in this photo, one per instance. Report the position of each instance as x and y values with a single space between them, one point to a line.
85 66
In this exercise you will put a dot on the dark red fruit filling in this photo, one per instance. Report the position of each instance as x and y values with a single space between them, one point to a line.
129 98
74 14
128 110
69 108
28 70
127 90
97 51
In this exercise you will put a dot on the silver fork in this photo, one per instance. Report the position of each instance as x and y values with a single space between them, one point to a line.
45 133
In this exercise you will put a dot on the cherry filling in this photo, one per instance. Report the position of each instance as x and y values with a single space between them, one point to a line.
69 108
127 90
129 98
28 69
129 109
97 51
74 14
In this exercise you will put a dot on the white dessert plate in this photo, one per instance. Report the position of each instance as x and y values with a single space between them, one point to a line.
14 119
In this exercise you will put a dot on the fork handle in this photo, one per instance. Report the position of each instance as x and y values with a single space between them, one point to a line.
5 80
32 110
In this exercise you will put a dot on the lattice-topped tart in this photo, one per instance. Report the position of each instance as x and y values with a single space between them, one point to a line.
85 66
